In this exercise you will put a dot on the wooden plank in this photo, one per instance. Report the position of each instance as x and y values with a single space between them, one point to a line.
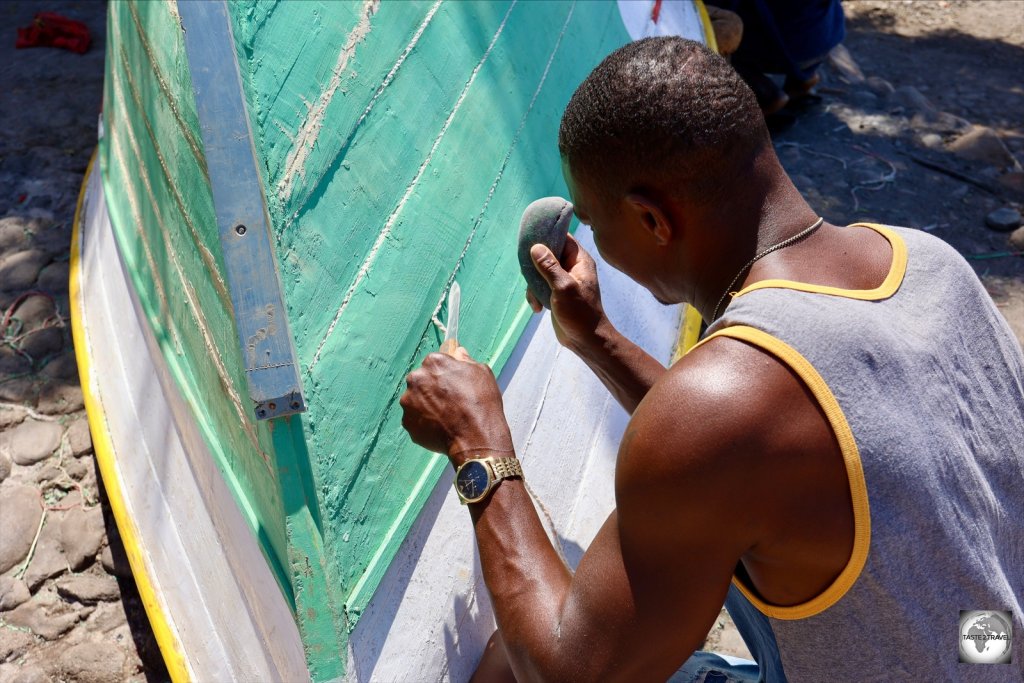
261 320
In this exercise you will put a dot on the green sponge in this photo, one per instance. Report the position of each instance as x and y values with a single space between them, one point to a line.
545 221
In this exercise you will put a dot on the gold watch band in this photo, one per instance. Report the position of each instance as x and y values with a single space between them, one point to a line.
496 470
505 467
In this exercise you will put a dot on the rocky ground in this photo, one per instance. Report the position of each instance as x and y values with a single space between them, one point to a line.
69 610
919 124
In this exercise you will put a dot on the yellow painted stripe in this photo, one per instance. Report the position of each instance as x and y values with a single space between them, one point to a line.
892 281
709 31
689 332
166 638
854 472
689 328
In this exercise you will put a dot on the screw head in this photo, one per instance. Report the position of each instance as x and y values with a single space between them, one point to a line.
295 405
240 229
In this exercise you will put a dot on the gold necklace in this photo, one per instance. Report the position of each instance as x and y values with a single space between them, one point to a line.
781 245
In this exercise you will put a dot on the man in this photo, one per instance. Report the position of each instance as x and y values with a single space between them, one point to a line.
859 405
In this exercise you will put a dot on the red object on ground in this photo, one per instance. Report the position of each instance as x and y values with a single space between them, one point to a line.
50 29
656 11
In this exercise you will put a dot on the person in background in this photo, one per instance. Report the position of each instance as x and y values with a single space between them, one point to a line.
786 37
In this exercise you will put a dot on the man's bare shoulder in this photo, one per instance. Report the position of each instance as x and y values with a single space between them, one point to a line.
726 422
719 400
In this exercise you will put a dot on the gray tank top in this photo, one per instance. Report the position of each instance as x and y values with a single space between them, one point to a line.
923 384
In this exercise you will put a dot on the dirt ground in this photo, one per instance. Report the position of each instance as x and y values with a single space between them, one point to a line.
919 123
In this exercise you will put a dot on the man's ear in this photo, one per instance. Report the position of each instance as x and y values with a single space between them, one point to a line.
650 214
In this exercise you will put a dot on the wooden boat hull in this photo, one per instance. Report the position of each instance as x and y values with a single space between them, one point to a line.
252 562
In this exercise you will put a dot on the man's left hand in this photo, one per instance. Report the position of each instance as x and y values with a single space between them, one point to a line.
453 405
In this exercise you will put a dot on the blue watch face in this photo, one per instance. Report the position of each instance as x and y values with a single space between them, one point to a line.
472 480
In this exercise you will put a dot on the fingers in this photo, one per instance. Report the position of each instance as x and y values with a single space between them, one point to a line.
574 254
532 300
549 267
462 354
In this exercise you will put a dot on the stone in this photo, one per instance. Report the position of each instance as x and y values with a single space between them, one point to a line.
78 469
63 366
911 98
11 415
845 65
20 390
727 27
93 662
60 398
42 342
48 560
14 643
20 269
1005 219
14 232
31 674
13 364
47 616
865 99
54 238
982 144
79 437
1014 180
5 467
116 563
88 589
54 278
47 473
932 140
82 533
20 510
34 311
13 592
107 617
945 122
31 441
879 86
1016 240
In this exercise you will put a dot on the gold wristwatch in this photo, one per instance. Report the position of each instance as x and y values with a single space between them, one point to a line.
476 478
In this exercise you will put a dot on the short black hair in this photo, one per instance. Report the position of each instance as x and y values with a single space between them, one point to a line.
661 108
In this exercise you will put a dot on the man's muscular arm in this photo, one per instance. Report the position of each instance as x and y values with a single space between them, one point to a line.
581 325
651 583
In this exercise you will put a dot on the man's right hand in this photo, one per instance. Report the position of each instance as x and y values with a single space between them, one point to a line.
576 310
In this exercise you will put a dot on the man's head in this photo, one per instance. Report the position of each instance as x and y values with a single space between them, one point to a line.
658 132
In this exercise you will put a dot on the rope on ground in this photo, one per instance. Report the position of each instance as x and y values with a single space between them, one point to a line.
872 185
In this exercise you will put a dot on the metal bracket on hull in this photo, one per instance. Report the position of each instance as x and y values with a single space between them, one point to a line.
264 334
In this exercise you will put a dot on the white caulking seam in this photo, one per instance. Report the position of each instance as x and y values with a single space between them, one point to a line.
204 252
501 171
380 89
162 82
200 319
382 237
310 130
189 292
172 6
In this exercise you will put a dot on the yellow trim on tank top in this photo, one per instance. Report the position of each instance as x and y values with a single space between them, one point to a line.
888 287
854 472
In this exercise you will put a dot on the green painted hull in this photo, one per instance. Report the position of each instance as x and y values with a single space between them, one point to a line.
398 144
